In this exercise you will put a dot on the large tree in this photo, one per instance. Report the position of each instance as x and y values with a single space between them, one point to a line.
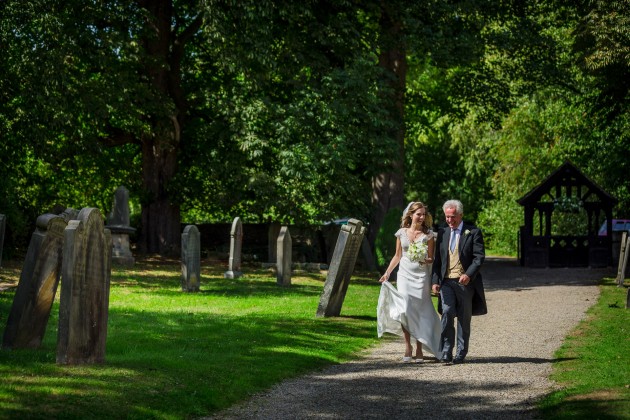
409 31
263 109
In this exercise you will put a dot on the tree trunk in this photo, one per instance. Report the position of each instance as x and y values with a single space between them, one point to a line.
160 216
388 188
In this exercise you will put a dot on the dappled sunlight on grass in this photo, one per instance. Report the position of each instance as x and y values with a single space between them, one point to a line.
172 354
10 274
593 364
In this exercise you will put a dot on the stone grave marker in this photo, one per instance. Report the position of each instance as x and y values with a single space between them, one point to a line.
624 252
118 224
341 268
69 214
84 302
284 257
272 239
3 224
191 259
38 283
236 243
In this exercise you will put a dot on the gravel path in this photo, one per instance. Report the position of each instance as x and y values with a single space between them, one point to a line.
507 369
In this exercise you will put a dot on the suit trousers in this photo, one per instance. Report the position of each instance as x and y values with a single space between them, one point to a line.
456 303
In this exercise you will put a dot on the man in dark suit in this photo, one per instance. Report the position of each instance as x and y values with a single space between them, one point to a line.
459 255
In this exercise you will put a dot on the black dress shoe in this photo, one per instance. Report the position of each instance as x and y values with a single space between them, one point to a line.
458 360
447 360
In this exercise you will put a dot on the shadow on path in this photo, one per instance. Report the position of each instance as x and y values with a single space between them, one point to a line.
507 273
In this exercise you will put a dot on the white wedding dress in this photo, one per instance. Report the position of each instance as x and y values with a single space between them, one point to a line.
410 306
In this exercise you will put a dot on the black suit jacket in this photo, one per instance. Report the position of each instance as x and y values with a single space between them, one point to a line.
471 254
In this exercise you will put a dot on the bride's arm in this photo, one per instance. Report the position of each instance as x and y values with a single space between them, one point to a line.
394 262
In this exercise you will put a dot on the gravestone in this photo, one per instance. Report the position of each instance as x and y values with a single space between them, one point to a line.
236 243
272 238
341 268
284 257
624 252
191 259
3 224
36 290
69 214
84 302
118 225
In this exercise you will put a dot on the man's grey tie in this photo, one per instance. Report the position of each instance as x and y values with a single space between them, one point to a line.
453 239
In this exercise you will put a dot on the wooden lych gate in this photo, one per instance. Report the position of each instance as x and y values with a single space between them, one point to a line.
562 217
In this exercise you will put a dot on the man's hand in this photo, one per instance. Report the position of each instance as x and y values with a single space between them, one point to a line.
464 279
436 288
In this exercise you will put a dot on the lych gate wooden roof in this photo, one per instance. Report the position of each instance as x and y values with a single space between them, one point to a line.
567 175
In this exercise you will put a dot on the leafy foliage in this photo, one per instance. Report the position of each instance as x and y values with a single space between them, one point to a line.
280 111
385 245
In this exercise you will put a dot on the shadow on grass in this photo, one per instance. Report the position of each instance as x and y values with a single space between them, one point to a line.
223 288
601 405
194 360
362 317
166 281
180 363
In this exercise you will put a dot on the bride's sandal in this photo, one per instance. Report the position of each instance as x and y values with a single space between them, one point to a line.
408 359
419 355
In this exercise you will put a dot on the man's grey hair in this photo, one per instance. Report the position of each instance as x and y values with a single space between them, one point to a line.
454 204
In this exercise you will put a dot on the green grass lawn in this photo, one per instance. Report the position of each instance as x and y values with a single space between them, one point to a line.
182 355
593 367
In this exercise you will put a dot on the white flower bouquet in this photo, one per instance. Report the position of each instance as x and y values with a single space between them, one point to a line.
417 251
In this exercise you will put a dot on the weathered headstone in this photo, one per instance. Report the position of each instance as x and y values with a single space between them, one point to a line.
341 268
36 290
624 253
3 224
191 259
84 303
236 243
272 238
69 214
284 257
118 224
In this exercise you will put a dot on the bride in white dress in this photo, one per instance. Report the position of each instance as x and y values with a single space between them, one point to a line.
408 311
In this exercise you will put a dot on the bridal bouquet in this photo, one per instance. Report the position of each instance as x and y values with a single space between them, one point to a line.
417 251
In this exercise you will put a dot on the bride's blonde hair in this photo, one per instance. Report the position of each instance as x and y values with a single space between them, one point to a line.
407 217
